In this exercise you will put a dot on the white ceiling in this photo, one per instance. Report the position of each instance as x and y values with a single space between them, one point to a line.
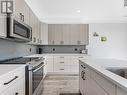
91 11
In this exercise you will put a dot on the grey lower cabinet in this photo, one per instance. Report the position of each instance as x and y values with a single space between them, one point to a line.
121 91
91 83
68 34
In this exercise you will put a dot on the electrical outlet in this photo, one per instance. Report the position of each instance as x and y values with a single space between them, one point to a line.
76 49
103 39
53 49
30 50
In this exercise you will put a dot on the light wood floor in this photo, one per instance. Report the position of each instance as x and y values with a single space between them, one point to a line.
56 84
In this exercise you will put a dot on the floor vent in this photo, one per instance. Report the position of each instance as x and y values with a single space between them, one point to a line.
69 94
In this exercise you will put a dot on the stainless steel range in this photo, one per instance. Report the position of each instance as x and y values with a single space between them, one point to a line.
34 72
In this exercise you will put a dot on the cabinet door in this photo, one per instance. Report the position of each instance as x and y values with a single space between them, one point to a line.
58 34
32 23
74 34
66 34
2 25
18 88
19 5
50 64
26 13
120 91
81 81
51 34
84 34
44 34
92 88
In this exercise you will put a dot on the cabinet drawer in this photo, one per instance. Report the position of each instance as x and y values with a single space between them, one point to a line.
18 88
59 63
108 86
75 69
62 69
10 78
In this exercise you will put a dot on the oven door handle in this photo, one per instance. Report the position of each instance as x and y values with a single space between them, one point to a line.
38 68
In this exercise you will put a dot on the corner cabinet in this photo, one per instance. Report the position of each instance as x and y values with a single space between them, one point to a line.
68 34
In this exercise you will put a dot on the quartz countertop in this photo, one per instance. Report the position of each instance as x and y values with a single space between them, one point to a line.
100 65
4 69
57 54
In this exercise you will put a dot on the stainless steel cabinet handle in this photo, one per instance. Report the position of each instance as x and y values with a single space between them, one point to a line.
61 62
61 57
62 42
80 57
34 39
20 16
83 67
38 40
53 42
61 69
78 42
23 18
83 75
11 80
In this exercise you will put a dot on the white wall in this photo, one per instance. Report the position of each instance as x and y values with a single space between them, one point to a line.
116 44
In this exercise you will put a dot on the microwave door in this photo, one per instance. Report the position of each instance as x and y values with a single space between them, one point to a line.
18 30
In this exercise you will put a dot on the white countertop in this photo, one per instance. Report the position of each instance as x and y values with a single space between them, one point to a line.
57 54
100 66
4 69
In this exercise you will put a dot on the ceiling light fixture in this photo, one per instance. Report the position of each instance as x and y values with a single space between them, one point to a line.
78 11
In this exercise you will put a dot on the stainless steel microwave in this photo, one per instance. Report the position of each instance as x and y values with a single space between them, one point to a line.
18 30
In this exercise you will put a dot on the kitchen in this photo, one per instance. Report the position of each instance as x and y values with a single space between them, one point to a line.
80 50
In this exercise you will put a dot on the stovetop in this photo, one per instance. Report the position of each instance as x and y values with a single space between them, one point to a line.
20 60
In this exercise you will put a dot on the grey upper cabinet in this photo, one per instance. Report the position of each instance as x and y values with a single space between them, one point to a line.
75 34
84 34
68 34
22 11
44 34
79 34
58 34
26 13
51 34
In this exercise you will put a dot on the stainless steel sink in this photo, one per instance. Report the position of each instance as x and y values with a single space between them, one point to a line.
119 71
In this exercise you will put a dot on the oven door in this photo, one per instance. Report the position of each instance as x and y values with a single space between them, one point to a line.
37 76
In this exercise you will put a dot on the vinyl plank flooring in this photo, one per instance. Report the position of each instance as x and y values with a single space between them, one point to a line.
56 85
